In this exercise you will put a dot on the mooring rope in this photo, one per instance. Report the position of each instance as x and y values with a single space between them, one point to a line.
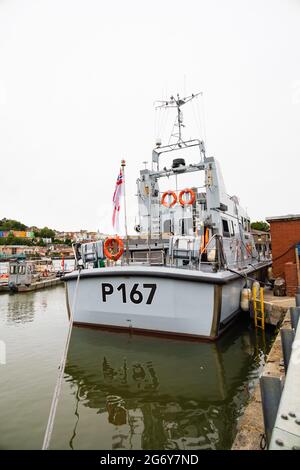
246 277
61 369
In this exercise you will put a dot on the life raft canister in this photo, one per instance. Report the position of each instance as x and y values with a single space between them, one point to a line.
190 201
109 246
170 203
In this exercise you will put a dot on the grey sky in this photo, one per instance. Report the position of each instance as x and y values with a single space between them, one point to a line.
77 84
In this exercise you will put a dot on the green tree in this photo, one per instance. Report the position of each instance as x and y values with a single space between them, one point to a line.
261 225
47 233
11 224
12 240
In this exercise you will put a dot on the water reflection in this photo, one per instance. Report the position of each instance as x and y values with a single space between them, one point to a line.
155 393
23 307
20 310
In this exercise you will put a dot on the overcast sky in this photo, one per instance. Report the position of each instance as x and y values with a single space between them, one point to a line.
77 84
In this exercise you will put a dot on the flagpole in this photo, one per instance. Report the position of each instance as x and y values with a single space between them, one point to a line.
123 164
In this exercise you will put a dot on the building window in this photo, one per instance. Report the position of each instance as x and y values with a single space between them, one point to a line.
225 225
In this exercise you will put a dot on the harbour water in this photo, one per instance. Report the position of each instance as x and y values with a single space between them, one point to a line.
121 391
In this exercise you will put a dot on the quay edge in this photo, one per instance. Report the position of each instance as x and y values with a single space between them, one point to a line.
250 428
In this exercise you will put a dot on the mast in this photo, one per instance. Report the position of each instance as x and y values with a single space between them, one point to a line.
123 164
177 103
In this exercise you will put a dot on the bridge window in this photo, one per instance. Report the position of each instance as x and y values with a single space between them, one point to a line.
226 232
185 226
13 269
167 226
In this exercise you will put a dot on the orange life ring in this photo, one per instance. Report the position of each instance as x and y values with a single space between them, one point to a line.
168 204
109 246
189 201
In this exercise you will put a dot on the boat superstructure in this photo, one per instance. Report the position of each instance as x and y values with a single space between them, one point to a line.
183 272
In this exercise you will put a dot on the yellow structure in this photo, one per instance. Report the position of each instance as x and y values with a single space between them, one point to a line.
259 308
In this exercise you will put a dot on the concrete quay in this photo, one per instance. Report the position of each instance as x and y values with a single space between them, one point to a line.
35 286
251 424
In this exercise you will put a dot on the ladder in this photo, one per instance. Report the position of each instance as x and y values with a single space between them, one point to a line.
260 344
259 308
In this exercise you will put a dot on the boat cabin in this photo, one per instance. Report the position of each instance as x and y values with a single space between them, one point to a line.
20 273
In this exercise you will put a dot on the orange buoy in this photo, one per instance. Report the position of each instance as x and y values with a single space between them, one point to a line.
190 201
109 246
164 196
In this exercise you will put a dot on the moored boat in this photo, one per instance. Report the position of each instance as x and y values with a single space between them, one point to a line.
184 272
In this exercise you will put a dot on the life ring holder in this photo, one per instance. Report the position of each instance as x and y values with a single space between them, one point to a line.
163 199
189 201
109 245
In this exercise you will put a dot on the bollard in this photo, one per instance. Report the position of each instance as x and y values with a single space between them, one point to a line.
294 314
271 389
287 338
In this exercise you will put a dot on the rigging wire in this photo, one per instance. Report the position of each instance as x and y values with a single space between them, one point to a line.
165 120
196 118
172 134
284 253
61 369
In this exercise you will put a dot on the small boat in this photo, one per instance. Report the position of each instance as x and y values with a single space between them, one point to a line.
183 273
25 276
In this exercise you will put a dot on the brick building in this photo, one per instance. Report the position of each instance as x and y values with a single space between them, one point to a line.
285 235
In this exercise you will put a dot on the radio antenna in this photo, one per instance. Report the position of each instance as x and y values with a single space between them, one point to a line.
177 103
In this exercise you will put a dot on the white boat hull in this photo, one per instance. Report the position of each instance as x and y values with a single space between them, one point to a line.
153 301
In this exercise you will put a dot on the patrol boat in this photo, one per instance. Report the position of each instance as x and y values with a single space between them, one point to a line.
183 273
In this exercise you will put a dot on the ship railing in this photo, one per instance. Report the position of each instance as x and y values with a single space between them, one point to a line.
177 191
162 261
150 258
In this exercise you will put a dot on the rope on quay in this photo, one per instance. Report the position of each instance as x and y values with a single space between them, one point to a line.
61 369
